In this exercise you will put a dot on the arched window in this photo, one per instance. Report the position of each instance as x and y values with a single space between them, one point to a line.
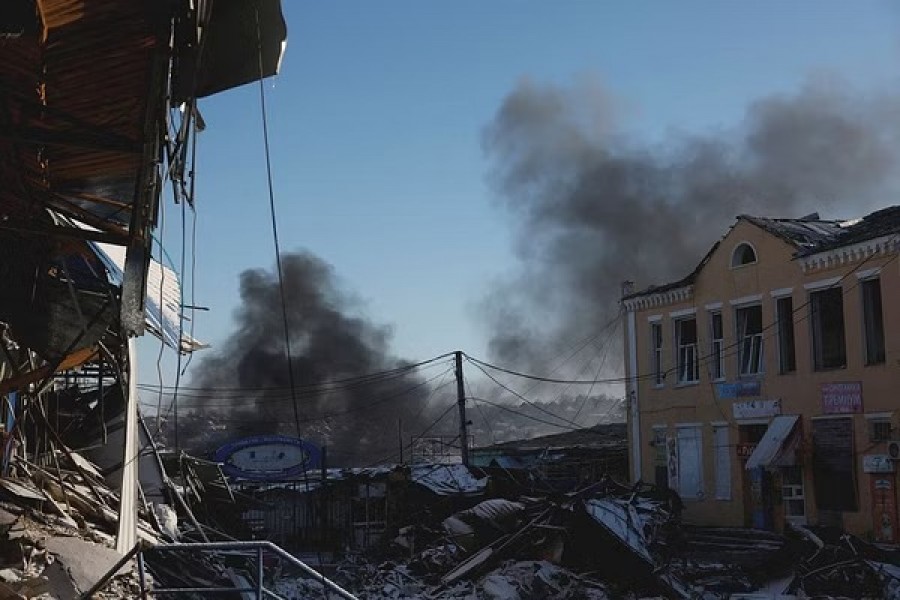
744 254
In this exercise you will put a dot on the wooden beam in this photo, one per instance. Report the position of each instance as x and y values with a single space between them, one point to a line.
77 358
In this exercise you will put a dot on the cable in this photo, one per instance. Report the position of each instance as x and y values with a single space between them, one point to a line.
526 415
509 371
433 424
523 398
356 378
353 410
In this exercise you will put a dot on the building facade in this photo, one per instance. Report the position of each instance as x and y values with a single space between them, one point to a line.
764 387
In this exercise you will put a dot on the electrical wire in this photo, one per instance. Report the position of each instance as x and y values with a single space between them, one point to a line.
526 415
524 399
368 377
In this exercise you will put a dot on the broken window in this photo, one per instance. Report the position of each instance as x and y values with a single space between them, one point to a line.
750 339
717 349
686 341
656 345
744 254
723 462
787 359
873 321
827 323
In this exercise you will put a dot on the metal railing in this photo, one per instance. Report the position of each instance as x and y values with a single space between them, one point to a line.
250 549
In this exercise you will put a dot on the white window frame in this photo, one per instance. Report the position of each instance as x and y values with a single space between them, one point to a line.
868 360
686 354
734 254
816 335
778 327
722 455
685 458
757 345
656 353
717 347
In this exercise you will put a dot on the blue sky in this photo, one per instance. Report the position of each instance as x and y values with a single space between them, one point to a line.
375 125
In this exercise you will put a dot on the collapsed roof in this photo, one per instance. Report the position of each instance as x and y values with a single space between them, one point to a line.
88 141
808 235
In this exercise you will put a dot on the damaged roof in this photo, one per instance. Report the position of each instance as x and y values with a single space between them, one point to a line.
808 235
604 435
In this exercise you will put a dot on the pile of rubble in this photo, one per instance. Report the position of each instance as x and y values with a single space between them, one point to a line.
608 542
57 526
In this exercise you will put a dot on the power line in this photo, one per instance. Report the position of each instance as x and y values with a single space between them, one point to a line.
362 379
525 415
374 403
524 399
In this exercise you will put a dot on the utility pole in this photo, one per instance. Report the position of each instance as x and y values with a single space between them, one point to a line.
461 403
400 437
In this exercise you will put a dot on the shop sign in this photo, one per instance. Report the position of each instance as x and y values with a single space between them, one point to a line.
884 509
842 398
877 463
672 460
745 450
738 389
268 457
756 409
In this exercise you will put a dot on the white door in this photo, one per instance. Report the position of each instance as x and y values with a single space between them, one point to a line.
690 465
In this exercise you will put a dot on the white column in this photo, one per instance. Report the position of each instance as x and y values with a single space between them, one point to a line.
631 389
126 536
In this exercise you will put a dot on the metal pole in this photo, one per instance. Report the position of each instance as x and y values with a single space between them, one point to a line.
259 574
142 574
400 437
103 581
461 403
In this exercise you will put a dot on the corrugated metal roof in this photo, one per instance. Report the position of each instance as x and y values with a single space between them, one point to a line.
772 443
76 95
162 308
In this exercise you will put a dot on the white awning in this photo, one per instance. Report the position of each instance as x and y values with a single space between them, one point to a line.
773 442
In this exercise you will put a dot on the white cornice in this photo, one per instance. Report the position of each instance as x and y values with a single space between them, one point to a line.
849 254
654 299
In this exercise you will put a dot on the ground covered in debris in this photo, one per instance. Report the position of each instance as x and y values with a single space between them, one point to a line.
56 532
607 543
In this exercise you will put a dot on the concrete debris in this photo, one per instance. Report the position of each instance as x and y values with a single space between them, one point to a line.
602 542
57 526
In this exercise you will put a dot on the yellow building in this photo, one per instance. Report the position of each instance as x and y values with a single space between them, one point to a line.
764 387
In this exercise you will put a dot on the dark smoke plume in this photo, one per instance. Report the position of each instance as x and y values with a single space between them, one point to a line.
329 343
594 207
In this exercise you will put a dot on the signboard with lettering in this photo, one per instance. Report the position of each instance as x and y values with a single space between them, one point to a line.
756 409
672 460
842 398
877 463
268 457
745 450
884 509
738 389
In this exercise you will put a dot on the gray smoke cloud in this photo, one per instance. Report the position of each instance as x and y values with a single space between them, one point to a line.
594 206
330 342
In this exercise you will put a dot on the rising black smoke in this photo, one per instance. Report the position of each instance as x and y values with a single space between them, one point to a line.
330 342
594 207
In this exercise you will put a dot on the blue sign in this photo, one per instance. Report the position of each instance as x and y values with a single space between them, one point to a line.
268 457
738 389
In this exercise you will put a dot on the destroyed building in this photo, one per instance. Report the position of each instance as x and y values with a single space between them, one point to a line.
763 386
560 462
